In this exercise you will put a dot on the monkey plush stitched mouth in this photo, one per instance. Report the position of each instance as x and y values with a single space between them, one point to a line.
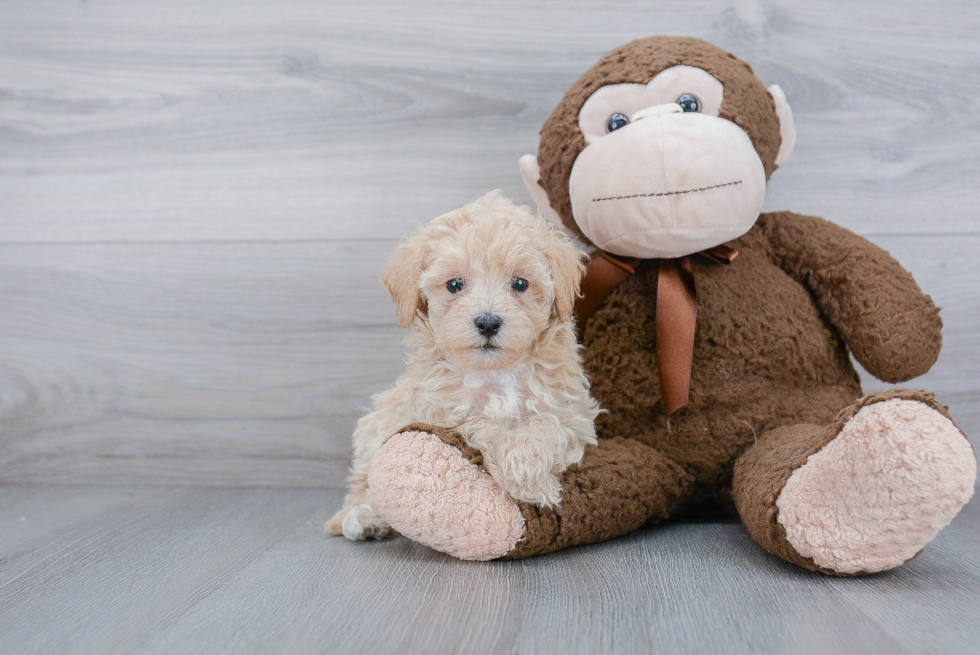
664 170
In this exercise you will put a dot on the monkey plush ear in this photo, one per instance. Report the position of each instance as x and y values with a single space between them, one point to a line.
532 176
787 130
567 263
401 280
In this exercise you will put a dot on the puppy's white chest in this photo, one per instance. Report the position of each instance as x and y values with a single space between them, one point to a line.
499 394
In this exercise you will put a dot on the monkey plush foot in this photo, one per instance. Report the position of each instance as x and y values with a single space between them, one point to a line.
890 474
432 489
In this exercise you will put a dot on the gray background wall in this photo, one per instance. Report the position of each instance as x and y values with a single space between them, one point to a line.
196 199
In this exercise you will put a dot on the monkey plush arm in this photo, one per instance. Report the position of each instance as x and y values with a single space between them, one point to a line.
893 329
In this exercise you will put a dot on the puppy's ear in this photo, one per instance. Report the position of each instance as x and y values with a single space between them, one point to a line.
567 263
401 280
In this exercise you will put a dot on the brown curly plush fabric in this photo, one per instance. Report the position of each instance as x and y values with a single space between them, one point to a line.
746 103
631 484
771 347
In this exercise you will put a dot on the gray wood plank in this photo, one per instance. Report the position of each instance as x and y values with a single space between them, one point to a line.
658 588
200 121
206 363
29 512
200 570
249 363
98 586
939 593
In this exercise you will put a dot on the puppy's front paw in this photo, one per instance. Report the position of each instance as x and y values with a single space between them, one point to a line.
545 493
527 474
363 522
526 479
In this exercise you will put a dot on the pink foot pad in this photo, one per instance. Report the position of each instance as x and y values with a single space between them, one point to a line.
872 498
429 492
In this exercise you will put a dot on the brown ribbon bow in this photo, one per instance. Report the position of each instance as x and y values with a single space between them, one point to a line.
677 312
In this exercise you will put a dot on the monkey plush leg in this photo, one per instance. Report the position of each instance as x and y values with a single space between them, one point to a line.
432 488
862 495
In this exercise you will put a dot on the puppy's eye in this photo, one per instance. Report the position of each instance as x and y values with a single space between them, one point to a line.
616 121
689 102
518 284
455 285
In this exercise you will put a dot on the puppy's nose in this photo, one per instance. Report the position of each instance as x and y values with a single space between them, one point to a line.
488 324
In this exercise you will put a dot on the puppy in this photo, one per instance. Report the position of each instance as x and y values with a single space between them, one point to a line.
488 292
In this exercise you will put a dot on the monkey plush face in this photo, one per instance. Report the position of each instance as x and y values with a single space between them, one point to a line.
661 149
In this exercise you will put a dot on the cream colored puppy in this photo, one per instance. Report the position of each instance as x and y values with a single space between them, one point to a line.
488 292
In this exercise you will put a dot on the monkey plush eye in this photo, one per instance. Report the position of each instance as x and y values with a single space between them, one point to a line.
689 102
518 284
616 121
455 285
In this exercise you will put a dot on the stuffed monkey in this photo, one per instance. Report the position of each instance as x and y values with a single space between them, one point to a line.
717 338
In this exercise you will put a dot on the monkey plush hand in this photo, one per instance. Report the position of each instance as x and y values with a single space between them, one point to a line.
718 339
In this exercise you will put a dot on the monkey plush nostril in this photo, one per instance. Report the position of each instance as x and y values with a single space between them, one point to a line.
488 324
657 110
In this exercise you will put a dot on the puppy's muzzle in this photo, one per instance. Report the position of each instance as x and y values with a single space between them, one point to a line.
488 324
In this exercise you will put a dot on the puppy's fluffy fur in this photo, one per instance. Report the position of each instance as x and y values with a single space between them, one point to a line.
520 395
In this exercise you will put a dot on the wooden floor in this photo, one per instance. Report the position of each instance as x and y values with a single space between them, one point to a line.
210 570
196 200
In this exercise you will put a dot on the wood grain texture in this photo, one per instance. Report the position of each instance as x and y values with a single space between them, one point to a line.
198 570
205 363
196 199
249 363
217 120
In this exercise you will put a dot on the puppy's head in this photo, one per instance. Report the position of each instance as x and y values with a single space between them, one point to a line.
487 280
